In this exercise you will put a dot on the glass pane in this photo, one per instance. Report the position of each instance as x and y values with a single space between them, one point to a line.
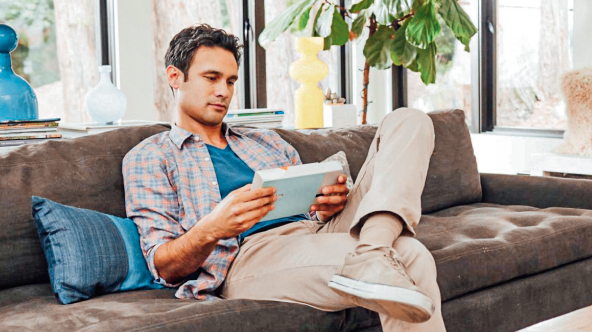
453 78
533 50
281 53
171 16
61 78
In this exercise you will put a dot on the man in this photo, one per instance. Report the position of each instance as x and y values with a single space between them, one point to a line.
188 190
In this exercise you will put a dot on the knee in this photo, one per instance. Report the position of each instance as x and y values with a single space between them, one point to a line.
410 117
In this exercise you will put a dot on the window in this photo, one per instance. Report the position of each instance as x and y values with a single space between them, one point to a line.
453 78
171 16
281 53
534 48
57 52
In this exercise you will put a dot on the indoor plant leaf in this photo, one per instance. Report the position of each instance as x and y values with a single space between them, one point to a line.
458 21
339 29
303 21
359 23
283 22
387 10
402 52
316 20
423 27
426 61
358 7
325 21
377 48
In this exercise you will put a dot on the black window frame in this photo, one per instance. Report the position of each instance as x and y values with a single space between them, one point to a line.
106 48
483 81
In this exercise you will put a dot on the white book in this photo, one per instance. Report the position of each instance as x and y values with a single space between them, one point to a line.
297 186
89 126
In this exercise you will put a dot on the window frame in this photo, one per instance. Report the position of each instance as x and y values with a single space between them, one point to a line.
106 37
483 80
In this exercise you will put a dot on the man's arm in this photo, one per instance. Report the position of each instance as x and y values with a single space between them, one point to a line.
236 213
151 202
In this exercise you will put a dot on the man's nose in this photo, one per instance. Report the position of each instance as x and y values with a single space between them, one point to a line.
222 89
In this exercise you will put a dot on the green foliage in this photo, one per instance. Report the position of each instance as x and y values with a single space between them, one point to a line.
407 31
378 46
283 22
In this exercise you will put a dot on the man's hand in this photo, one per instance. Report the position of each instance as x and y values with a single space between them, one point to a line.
333 199
240 210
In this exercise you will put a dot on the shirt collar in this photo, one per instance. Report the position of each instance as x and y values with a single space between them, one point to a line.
179 135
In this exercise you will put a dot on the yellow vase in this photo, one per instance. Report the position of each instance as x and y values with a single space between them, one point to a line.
308 71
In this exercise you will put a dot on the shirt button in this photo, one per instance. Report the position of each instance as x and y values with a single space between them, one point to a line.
207 159
214 183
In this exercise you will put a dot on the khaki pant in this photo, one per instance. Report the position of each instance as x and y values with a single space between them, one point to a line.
294 262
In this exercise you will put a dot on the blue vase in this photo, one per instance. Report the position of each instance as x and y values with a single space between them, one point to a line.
17 98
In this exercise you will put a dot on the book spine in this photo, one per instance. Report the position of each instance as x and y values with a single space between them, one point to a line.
28 125
25 137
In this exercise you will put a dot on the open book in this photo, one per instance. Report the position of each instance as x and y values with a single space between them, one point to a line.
297 186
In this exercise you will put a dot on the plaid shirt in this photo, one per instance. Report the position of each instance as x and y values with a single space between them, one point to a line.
170 184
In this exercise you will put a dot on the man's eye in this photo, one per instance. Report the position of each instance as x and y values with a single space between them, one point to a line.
231 83
211 78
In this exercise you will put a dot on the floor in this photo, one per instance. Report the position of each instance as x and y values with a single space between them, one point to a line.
577 321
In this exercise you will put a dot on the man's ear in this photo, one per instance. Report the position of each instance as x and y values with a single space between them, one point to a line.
174 76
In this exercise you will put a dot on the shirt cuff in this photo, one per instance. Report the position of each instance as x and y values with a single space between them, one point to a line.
152 267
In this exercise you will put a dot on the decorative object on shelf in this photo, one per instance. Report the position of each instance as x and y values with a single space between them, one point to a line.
577 89
308 71
336 113
402 33
105 103
17 98
331 98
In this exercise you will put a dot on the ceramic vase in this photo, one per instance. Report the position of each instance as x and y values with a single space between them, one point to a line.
308 71
17 98
105 103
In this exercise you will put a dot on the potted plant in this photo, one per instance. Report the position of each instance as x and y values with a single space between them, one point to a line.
400 32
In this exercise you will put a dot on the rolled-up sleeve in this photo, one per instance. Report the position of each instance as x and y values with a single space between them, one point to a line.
151 202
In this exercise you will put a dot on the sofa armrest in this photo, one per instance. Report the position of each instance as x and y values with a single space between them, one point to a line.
541 192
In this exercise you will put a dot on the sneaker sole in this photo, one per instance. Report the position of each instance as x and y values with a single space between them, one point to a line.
400 303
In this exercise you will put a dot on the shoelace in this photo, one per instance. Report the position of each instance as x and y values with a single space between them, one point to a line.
395 260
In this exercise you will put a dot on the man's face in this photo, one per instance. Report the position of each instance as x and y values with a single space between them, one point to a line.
206 94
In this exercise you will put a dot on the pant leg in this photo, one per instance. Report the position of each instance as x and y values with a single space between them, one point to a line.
393 176
292 264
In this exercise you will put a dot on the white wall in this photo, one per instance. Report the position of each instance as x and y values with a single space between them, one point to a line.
582 34
136 58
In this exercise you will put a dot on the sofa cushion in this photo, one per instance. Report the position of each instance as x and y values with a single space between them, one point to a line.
88 252
83 172
452 177
485 244
33 308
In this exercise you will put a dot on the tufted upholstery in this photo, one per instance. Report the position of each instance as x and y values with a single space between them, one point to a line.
483 244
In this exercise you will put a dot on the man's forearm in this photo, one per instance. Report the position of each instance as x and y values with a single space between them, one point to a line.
182 256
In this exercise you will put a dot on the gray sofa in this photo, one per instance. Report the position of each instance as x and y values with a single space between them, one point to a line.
510 250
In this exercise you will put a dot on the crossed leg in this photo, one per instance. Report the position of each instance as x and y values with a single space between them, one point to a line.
294 263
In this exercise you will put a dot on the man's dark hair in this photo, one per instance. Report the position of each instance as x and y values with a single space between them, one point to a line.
183 46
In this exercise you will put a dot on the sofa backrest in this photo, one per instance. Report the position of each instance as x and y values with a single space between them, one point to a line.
86 172
83 172
452 178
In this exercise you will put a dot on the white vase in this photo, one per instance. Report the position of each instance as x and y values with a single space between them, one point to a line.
105 103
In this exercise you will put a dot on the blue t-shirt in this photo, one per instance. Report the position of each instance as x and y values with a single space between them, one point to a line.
232 173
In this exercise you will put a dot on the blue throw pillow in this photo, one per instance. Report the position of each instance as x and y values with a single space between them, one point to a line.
88 252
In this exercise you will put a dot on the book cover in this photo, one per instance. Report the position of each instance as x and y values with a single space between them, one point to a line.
17 122
297 186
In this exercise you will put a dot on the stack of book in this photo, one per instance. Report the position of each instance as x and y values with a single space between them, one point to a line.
20 132
255 117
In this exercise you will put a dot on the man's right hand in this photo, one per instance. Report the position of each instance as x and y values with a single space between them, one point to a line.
239 211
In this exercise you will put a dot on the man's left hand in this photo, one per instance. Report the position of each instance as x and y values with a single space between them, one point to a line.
333 199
